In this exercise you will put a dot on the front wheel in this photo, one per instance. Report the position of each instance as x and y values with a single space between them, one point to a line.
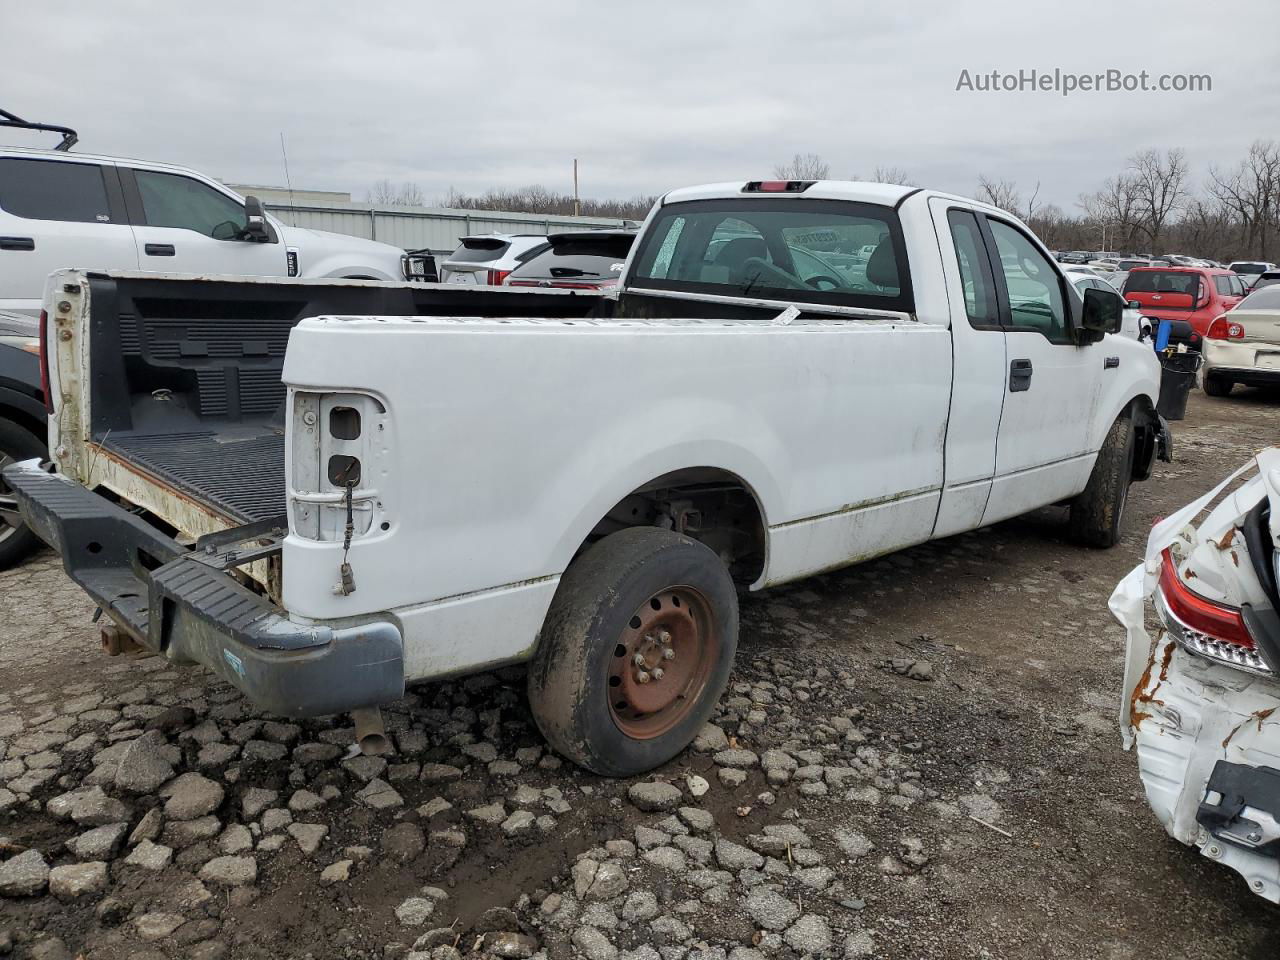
1096 513
635 651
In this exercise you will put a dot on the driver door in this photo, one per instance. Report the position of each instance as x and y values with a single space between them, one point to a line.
178 222
1051 384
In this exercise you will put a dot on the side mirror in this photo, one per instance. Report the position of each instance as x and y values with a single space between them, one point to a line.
1133 304
255 221
1103 312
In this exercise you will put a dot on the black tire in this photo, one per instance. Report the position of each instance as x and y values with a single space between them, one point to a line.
16 539
574 680
1097 512
1216 386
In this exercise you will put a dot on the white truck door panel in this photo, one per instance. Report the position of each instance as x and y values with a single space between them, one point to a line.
56 214
1051 385
177 220
977 393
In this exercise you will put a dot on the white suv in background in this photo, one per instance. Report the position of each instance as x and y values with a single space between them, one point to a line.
60 209
489 258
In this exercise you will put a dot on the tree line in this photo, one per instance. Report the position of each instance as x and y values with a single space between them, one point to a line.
1154 204
531 199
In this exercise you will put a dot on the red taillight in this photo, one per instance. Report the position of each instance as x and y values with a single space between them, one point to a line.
1215 620
777 186
44 362
1224 329
495 277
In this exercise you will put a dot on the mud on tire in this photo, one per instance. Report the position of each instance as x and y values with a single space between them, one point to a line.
1097 512
641 601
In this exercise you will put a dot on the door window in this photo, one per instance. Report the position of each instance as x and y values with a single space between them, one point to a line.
53 190
170 200
1035 291
975 270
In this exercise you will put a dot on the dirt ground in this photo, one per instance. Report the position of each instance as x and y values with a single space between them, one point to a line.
882 778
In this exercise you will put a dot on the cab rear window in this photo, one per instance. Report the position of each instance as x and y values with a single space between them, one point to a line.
773 248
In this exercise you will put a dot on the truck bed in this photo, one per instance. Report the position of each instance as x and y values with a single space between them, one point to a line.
239 477
184 388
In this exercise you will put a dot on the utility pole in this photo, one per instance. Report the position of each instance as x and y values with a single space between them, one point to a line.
575 186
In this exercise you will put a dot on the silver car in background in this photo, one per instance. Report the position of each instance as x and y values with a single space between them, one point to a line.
489 258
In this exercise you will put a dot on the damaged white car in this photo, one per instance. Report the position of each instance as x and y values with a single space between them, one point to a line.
1202 696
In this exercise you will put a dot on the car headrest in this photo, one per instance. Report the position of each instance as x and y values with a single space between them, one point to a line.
882 267
738 251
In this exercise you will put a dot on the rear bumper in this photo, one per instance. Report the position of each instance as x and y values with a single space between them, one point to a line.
173 602
1237 361
1209 758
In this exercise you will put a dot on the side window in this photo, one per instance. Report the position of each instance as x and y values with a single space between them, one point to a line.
171 200
1035 295
53 190
667 248
975 270
1224 285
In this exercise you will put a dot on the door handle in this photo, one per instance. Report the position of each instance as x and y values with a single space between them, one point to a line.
159 250
17 243
1019 376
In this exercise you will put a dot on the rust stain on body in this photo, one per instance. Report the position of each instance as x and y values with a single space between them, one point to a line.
1137 698
1259 715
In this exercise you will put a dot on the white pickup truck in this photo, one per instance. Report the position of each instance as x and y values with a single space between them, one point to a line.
430 480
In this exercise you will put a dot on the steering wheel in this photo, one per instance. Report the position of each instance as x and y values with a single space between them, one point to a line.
818 279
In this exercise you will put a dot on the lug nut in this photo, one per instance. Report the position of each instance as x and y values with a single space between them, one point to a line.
668 653
638 660
642 677
658 673
664 636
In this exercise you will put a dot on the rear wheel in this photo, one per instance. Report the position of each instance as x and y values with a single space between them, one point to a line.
16 539
1097 512
635 652
1216 386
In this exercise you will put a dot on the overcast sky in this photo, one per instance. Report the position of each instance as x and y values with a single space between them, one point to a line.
647 96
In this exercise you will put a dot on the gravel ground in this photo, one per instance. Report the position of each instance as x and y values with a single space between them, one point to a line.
917 757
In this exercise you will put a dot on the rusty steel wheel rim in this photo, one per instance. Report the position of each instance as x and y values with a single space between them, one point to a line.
662 661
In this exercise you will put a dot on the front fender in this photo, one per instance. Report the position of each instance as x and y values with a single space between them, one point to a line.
339 268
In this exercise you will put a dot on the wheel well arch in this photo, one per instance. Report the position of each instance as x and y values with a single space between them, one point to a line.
33 425
1148 430
712 505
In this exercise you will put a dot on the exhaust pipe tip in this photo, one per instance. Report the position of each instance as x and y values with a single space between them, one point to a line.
371 735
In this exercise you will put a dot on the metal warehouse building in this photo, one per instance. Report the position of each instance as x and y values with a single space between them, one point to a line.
411 228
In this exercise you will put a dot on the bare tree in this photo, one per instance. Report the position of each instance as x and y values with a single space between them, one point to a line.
1160 189
1251 192
803 166
384 193
1115 209
894 175
1002 194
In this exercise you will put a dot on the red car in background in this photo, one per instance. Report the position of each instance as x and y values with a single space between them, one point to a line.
1192 297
